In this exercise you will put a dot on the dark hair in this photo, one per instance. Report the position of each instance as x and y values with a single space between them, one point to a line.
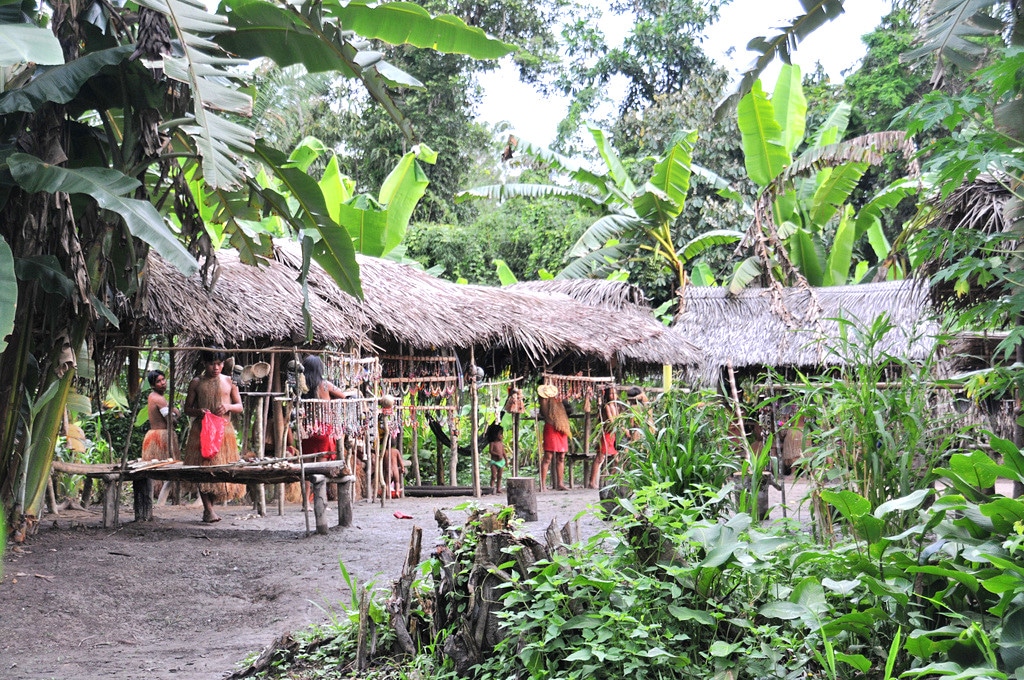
494 433
313 368
210 355
634 392
152 376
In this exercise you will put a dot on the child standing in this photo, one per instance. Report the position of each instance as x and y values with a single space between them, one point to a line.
495 436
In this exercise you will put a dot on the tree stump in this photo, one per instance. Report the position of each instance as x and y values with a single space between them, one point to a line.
111 497
522 496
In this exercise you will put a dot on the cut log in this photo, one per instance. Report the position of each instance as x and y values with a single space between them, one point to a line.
522 496
442 491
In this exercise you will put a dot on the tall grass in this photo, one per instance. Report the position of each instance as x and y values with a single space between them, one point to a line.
874 430
686 451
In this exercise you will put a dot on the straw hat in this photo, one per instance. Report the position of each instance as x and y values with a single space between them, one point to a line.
547 391
260 370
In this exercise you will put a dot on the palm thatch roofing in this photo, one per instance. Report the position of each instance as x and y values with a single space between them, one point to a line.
613 295
747 330
403 309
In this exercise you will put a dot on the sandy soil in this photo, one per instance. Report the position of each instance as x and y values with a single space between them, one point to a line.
176 598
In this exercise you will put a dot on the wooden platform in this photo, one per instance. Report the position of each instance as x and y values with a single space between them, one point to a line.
266 471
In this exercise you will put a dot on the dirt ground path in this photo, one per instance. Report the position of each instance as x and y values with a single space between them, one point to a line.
176 598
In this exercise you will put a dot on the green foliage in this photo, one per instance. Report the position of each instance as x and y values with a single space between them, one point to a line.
875 432
529 236
683 452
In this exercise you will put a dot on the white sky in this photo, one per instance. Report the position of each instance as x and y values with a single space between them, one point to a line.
836 45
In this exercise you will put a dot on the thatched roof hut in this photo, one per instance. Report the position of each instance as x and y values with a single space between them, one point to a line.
403 309
746 330
626 301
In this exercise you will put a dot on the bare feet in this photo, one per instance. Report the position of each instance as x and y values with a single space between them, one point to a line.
210 519
560 488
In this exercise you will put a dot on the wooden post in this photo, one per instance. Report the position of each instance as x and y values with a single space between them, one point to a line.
362 644
474 400
369 453
521 495
345 501
416 447
142 492
453 470
438 462
588 431
739 413
261 450
298 442
320 503
515 444
384 471
111 497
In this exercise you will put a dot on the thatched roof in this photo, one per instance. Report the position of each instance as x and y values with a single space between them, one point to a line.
403 307
746 330
613 295
247 306
627 301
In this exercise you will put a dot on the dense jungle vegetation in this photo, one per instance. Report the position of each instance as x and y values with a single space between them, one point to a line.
126 127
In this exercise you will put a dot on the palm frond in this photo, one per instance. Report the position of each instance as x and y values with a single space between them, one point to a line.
219 141
781 45
503 192
949 31
870 148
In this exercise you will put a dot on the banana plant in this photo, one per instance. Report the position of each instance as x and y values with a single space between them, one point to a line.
634 221
804 196
99 146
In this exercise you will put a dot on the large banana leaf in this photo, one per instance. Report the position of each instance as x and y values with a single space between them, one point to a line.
598 263
889 197
607 228
747 271
25 43
334 251
816 14
835 191
336 188
665 193
790 106
951 29
402 190
109 188
841 254
808 257
503 192
722 186
367 224
8 295
47 271
764 153
219 141
833 127
698 245
407 23
61 83
611 160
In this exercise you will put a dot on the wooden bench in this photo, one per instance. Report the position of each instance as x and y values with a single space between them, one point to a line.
266 471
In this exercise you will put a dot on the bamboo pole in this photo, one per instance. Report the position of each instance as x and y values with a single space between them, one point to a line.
298 440
474 400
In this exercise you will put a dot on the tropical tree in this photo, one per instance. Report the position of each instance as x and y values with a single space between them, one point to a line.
119 138
634 221
803 200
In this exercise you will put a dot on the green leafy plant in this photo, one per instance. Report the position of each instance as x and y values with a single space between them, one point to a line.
683 451
875 431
